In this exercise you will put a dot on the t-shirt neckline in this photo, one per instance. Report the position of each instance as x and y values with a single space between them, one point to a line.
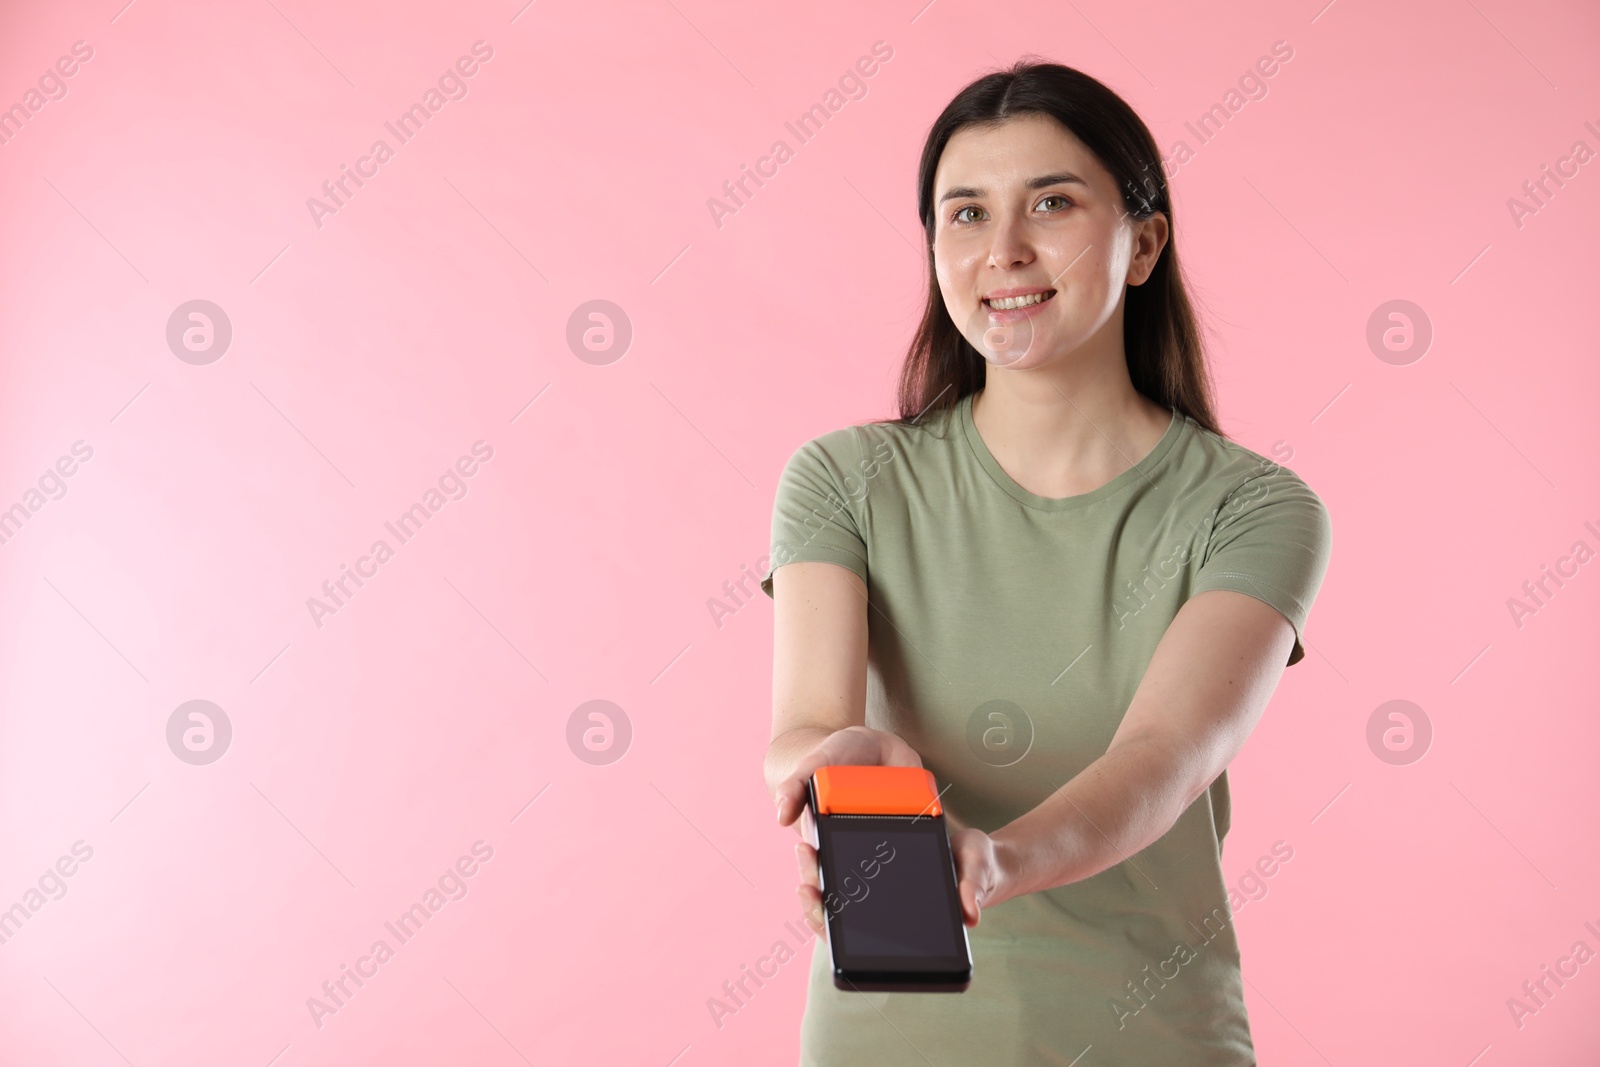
1137 473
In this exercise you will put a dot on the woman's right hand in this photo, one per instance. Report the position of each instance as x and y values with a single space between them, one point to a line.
852 746
856 746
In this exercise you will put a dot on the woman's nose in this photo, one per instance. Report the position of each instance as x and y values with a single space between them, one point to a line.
1009 245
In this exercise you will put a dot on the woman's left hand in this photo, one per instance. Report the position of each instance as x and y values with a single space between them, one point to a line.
980 875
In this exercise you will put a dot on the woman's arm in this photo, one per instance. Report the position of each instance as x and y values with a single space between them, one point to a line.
819 660
1206 686
819 699
819 682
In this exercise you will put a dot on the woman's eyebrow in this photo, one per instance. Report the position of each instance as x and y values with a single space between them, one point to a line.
1044 180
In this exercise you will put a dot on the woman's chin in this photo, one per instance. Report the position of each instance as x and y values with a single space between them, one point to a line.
1020 347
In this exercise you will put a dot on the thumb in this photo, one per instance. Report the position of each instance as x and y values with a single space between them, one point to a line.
790 799
971 905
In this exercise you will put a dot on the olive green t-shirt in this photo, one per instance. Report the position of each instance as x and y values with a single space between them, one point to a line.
1007 633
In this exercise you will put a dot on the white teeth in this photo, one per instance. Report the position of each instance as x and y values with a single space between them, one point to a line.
1009 302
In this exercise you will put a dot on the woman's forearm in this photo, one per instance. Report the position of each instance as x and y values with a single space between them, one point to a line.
1116 806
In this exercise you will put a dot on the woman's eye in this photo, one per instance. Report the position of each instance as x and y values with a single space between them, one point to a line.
1062 204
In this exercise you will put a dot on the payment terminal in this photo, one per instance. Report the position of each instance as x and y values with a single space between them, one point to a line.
888 881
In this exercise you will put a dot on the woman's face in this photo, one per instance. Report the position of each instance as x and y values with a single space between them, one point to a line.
1023 209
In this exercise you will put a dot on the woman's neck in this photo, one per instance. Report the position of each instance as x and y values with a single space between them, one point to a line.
1064 429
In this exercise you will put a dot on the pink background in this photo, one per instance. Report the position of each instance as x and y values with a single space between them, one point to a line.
371 352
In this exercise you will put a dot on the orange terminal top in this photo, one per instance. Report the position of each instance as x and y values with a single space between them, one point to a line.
876 791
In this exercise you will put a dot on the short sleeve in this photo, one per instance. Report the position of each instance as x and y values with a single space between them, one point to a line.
812 520
1271 539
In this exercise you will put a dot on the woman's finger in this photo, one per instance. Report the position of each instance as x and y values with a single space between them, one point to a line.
794 809
811 900
969 902
972 872
806 856
793 795
785 799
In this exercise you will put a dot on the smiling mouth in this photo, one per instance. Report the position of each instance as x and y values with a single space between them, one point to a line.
1011 303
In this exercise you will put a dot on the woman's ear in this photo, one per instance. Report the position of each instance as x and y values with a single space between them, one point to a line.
1149 239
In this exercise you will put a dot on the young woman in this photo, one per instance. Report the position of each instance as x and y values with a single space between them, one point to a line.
1054 583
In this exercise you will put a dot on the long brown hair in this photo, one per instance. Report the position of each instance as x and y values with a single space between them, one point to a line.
1166 356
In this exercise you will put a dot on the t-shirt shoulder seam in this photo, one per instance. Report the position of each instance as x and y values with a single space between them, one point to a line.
1254 580
823 440
830 449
